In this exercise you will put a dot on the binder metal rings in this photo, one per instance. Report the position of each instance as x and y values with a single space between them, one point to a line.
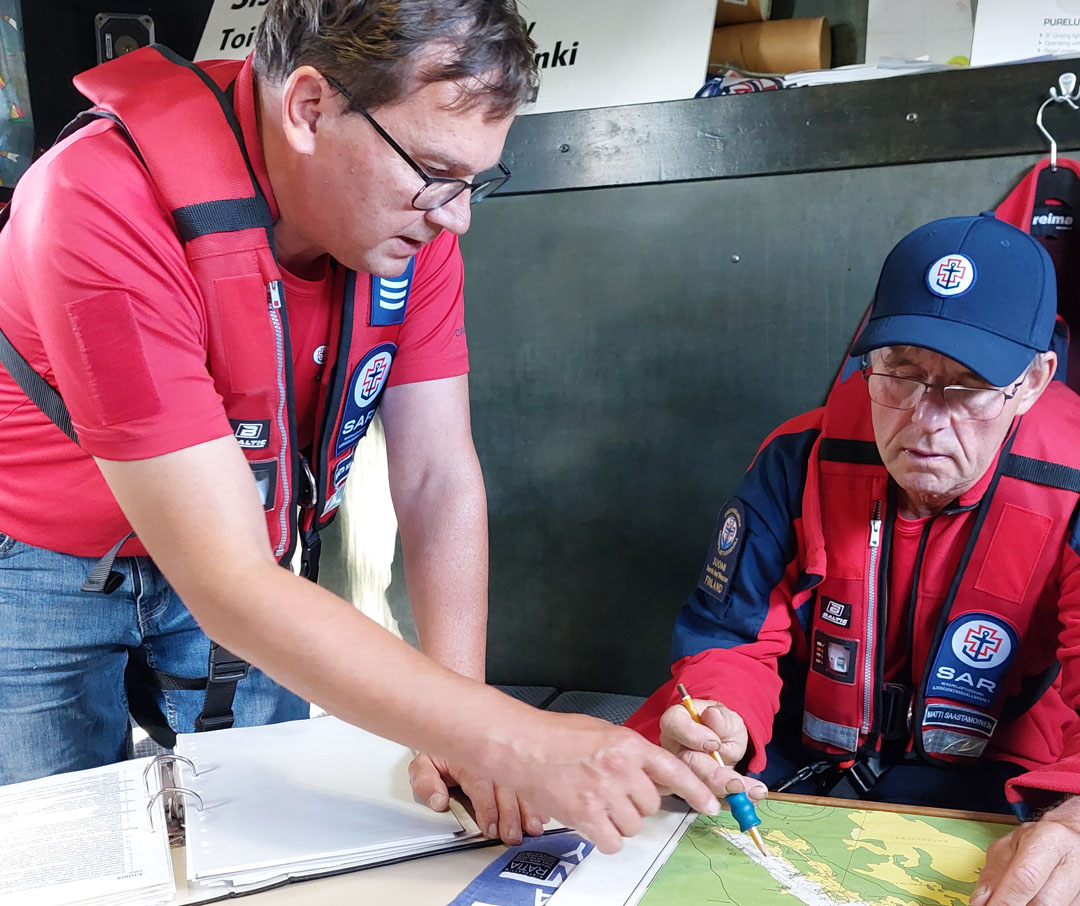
183 791
162 759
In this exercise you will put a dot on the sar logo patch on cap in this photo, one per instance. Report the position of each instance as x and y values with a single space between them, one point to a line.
952 275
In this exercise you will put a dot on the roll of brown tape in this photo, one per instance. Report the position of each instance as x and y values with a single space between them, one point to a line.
779 46
732 12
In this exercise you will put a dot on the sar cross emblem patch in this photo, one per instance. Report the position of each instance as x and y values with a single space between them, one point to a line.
365 389
952 275
972 660
981 642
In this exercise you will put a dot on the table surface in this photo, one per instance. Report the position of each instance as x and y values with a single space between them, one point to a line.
436 880
429 881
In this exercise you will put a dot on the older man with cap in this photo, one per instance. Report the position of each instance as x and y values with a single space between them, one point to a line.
890 606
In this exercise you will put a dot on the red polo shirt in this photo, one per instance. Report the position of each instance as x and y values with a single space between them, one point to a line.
86 220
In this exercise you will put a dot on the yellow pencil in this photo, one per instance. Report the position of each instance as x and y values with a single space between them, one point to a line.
741 807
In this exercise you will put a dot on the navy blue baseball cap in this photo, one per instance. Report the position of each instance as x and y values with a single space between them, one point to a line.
975 289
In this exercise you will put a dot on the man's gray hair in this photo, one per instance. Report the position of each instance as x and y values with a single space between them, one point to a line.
381 50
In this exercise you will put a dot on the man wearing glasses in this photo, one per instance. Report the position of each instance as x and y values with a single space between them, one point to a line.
211 301
890 607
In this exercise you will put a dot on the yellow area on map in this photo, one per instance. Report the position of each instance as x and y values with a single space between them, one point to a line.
827 856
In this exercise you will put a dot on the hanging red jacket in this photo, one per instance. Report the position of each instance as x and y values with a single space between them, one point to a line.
1046 204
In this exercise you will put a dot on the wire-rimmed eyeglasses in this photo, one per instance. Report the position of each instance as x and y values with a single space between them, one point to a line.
437 190
895 392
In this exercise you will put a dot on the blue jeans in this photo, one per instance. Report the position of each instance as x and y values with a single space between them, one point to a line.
63 655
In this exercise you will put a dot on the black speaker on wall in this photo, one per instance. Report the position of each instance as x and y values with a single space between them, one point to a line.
64 37
121 33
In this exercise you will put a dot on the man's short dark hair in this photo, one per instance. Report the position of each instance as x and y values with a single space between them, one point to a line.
381 50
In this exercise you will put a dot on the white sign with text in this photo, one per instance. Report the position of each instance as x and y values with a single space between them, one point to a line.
1006 30
603 53
230 31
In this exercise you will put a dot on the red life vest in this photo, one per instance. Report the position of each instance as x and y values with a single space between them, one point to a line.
995 561
206 183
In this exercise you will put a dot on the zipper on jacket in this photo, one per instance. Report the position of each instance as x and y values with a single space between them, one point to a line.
274 307
871 616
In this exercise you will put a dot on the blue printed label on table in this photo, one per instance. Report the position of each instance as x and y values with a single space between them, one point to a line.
529 874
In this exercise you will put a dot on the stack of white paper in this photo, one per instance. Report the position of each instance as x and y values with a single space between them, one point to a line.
886 68
302 798
85 839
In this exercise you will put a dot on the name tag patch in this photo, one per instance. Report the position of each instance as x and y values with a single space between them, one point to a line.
959 718
365 388
341 472
266 481
976 651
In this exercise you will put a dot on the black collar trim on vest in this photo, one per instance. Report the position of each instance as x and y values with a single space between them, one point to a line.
860 452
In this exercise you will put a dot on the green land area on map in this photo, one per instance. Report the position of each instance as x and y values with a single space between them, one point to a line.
843 856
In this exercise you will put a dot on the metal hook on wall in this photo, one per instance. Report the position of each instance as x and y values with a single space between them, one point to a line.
1067 91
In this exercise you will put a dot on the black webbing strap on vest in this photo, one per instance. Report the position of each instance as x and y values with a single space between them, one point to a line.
103 579
42 394
1038 471
310 553
227 215
225 671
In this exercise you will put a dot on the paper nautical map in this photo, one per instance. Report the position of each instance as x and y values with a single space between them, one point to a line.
826 856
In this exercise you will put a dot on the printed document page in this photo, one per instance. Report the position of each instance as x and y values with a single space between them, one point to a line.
85 838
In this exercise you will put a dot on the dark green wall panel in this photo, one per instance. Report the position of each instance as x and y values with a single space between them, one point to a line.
625 367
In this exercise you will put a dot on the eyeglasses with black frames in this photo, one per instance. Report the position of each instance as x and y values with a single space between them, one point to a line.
894 392
437 190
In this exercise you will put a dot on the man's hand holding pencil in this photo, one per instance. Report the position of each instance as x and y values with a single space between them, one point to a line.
709 737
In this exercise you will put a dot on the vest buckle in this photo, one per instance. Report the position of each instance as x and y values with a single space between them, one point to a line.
309 493
896 711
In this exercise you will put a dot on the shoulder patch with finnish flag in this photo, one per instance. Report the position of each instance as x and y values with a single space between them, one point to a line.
952 275
528 874
389 297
